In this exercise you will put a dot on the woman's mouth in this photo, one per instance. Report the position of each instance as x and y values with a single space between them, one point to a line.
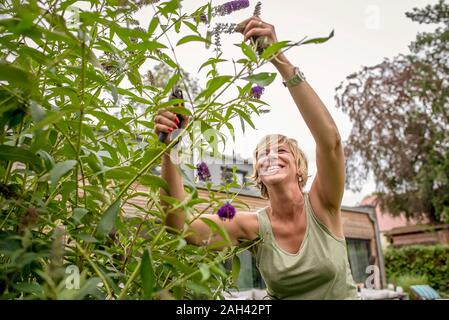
271 169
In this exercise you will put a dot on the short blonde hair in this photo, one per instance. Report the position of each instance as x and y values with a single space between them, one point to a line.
298 155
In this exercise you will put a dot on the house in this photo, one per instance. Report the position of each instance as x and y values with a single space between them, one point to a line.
399 231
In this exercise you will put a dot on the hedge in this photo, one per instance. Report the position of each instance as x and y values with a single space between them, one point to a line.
431 261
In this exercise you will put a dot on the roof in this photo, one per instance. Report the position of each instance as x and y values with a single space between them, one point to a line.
416 229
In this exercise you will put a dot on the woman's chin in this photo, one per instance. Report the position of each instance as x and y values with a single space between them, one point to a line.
273 178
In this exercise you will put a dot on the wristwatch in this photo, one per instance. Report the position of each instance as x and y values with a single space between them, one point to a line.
296 79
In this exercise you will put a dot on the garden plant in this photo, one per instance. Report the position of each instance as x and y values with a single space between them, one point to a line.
77 146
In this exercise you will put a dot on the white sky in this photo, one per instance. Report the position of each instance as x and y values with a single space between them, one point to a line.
365 33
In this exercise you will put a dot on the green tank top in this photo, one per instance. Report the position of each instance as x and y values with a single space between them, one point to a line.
319 270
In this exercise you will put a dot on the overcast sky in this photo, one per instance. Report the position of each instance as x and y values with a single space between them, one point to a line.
365 33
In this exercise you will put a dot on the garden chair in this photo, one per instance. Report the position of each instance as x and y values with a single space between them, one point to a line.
424 292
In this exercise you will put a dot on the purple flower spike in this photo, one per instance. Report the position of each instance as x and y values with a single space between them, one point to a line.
227 211
203 171
229 7
257 91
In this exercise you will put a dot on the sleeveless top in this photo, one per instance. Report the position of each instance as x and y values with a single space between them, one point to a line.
319 270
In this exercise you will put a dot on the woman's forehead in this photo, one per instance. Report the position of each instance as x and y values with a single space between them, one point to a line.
271 145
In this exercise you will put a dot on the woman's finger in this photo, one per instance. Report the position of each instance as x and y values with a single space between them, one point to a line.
241 26
253 24
168 114
160 119
257 32
162 128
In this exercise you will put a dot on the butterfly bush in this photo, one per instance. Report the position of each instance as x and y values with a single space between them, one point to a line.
203 171
82 200
226 211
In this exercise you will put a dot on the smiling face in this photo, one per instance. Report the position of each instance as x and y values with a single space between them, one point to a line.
278 159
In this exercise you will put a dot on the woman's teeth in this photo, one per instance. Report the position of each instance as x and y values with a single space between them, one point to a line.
273 168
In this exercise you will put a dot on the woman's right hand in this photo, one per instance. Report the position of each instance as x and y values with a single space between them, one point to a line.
166 121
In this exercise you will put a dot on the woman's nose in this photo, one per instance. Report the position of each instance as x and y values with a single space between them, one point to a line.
272 156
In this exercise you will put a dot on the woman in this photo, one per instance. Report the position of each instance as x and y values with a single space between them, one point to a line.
303 253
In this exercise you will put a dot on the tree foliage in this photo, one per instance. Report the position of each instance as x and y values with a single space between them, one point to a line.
399 110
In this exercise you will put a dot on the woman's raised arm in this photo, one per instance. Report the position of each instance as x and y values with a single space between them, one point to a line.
330 178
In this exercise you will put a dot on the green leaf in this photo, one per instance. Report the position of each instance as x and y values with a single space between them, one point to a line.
111 121
87 238
273 48
35 54
169 103
122 146
190 25
235 268
121 173
49 162
215 227
153 181
32 288
246 117
169 7
205 272
173 81
147 275
178 264
12 153
181 243
153 25
79 213
50 117
213 85
165 58
262 79
15 76
319 40
60 169
190 38
135 79
211 61
249 52
107 221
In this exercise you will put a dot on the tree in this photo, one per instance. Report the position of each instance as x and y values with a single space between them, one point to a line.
399 109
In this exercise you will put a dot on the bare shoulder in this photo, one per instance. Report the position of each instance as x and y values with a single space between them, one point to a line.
248 221
331 218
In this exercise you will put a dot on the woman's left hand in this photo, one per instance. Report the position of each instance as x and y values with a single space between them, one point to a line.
254 27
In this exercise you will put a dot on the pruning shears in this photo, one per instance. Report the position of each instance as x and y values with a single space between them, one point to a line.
176 93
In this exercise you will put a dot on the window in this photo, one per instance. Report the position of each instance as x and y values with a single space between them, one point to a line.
249 276
358 254
227 175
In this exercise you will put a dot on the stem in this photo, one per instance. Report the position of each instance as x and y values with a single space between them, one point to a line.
130 280
7 216
80 124
10 162
134 239
94 266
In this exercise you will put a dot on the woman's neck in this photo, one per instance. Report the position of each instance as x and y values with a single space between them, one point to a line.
286 202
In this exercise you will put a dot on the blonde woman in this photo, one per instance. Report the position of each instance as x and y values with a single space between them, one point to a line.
303 254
